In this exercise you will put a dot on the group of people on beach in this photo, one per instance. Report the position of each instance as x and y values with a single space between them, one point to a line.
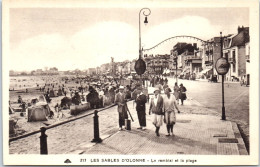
161 107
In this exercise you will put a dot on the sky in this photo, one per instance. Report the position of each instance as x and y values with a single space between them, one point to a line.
82 38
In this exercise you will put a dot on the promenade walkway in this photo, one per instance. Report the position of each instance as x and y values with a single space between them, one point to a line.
198 131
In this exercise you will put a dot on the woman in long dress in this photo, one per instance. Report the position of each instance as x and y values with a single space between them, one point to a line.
169 107
182 93
176 92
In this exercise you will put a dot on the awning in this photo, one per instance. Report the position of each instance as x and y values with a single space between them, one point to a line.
205 70
186 70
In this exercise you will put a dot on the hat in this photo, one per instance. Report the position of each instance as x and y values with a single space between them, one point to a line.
181 84
121 87
169 89
156 89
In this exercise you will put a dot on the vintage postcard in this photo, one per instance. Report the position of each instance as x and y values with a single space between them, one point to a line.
130 83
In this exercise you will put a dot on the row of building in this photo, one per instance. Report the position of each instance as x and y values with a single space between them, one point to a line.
190 61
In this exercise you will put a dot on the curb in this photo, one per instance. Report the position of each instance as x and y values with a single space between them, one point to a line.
241 145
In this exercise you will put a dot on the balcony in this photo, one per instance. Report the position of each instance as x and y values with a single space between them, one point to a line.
190 57
209 63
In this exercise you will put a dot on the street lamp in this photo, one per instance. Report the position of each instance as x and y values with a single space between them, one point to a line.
140 65
176 60
145 22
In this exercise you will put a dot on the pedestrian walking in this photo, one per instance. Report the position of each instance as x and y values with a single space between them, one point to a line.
151 81
176 92
101 98
166 80
159 86
92 98
156 108
169 106
128 92
121 102
140 108
165 86
161 81
182 93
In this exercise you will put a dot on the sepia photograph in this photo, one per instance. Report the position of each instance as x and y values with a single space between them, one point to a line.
127 83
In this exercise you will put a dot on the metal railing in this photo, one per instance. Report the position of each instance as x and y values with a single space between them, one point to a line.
43 137
58 124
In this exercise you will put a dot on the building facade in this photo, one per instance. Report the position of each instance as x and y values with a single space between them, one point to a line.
187 58
210 52
236 49
158 64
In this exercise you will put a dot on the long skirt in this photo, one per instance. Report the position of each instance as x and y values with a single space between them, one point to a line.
176 94
157 120
183 96
170 118
141 118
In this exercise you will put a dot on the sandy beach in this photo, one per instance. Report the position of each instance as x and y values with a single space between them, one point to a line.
23 126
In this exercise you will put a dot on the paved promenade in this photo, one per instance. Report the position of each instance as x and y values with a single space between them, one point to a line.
198 131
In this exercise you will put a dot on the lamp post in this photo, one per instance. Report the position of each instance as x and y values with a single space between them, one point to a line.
222 67
140 65
223 99
145 22
176 63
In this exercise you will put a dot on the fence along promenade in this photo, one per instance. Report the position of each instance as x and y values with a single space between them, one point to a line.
43 137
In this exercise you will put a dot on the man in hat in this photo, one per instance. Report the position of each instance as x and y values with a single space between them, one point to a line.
122 111
140 107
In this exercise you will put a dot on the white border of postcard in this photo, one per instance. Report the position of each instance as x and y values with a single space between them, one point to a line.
251 159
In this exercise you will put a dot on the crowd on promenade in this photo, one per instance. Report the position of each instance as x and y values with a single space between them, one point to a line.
103 91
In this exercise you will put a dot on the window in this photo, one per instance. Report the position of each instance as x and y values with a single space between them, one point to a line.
226 55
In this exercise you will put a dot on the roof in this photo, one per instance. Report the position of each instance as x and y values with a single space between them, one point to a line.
183 47
241 38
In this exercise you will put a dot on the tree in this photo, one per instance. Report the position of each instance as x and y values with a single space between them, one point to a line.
54 69
33 72
23 73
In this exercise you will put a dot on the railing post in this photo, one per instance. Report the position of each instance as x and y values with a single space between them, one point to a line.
43 141
96 139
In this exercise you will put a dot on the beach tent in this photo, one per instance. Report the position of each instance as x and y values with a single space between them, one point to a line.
59 92
53 93
38 112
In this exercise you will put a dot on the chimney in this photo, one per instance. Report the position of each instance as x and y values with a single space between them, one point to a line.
240 29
